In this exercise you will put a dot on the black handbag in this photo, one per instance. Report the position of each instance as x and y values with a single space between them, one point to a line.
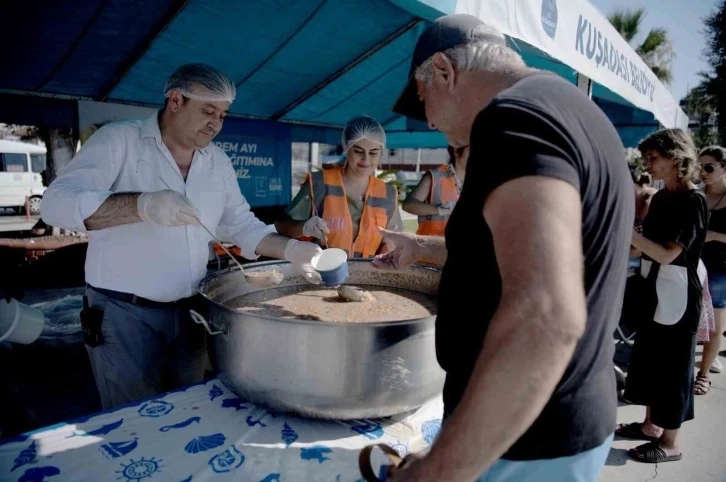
640 300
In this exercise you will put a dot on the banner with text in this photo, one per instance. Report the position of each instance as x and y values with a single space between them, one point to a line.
577 34
261 153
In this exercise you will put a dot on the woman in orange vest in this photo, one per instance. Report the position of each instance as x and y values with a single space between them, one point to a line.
343 207
437 192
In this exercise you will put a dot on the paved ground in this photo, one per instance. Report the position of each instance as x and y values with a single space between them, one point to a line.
9 221
702 441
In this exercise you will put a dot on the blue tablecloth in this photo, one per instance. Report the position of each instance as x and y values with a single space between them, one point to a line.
206 433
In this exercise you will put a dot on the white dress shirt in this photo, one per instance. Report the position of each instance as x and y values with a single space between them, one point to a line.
155 262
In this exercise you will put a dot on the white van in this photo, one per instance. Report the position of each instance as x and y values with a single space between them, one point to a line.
20 167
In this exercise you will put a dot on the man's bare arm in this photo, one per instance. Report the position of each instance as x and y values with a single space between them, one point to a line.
431 249
536 228
118 209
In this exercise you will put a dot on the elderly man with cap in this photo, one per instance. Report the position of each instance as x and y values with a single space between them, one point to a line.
145 190
545 226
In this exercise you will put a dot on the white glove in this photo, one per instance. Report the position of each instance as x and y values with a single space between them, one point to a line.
315 227
300 254
167 208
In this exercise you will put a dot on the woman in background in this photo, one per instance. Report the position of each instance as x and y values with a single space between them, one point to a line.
344 207
437 192
674 231
713 174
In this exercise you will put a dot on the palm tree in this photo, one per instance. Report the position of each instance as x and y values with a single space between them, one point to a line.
700 104
656 50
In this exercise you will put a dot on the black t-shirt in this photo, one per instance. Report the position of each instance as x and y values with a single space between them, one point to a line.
542 125
680 217
714 252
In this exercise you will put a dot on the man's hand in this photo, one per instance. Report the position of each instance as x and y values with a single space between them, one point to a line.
167 208
300 255
413 469
315 227
403 250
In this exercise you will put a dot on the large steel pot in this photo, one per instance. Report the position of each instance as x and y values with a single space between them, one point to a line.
325 370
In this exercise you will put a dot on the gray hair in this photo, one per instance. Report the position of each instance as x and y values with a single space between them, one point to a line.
486 52
219 86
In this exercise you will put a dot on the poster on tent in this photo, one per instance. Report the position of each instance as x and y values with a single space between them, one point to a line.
261 154
260 151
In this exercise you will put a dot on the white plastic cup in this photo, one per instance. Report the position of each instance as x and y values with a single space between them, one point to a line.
332 264
20 323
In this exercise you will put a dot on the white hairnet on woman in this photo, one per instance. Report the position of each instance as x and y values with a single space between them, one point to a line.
362 127
217 86
343 206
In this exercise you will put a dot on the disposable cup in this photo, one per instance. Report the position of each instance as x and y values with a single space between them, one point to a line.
20 323
332 264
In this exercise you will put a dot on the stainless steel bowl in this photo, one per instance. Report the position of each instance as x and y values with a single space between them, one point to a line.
327 370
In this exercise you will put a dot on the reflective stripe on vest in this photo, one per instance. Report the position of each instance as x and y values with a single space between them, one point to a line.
331 204
443 190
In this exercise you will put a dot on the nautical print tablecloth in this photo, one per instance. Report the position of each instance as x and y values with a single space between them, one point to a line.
206 433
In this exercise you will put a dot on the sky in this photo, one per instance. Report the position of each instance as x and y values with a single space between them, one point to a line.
683 20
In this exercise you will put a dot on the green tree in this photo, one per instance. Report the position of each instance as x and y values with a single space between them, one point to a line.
715 54
656 50
700 106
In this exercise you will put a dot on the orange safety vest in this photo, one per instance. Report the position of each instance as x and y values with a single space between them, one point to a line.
443 190
331 204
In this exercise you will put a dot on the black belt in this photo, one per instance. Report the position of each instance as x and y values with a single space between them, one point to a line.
141 301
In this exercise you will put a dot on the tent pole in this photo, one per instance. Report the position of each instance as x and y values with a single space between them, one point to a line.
584 84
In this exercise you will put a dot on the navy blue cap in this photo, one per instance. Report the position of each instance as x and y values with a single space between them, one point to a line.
446 32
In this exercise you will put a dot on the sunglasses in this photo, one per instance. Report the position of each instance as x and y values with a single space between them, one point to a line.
709 168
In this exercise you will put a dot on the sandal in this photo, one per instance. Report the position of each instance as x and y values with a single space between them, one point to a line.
633 431
702 384
651 453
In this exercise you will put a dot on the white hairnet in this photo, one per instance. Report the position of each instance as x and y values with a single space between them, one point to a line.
362 127
216 85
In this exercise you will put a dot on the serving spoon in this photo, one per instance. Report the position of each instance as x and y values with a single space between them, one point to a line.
258 279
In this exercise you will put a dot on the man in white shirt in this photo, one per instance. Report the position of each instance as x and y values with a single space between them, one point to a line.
140 189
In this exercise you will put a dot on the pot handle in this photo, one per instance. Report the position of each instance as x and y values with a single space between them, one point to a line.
199 319
364 461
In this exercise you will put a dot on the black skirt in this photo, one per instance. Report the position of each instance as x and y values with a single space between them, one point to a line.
660 375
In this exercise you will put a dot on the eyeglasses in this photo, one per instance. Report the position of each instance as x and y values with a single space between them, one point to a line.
709 168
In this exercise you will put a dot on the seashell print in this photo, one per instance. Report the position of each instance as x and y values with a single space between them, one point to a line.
205 442
430 429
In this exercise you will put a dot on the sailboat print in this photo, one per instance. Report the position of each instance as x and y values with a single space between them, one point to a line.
113 450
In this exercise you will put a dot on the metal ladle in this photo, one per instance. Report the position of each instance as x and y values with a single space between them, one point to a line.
258 279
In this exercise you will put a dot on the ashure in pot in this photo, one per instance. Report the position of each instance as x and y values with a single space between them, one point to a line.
333 370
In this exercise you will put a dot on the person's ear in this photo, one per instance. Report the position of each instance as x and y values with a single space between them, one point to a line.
443 69
176 100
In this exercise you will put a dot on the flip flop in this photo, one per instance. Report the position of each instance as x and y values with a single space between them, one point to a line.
651 453
633 431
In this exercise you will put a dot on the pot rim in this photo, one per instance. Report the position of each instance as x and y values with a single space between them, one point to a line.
340 324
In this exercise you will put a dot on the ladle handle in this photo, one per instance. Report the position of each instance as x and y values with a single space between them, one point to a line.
210 233
199 319
364 461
